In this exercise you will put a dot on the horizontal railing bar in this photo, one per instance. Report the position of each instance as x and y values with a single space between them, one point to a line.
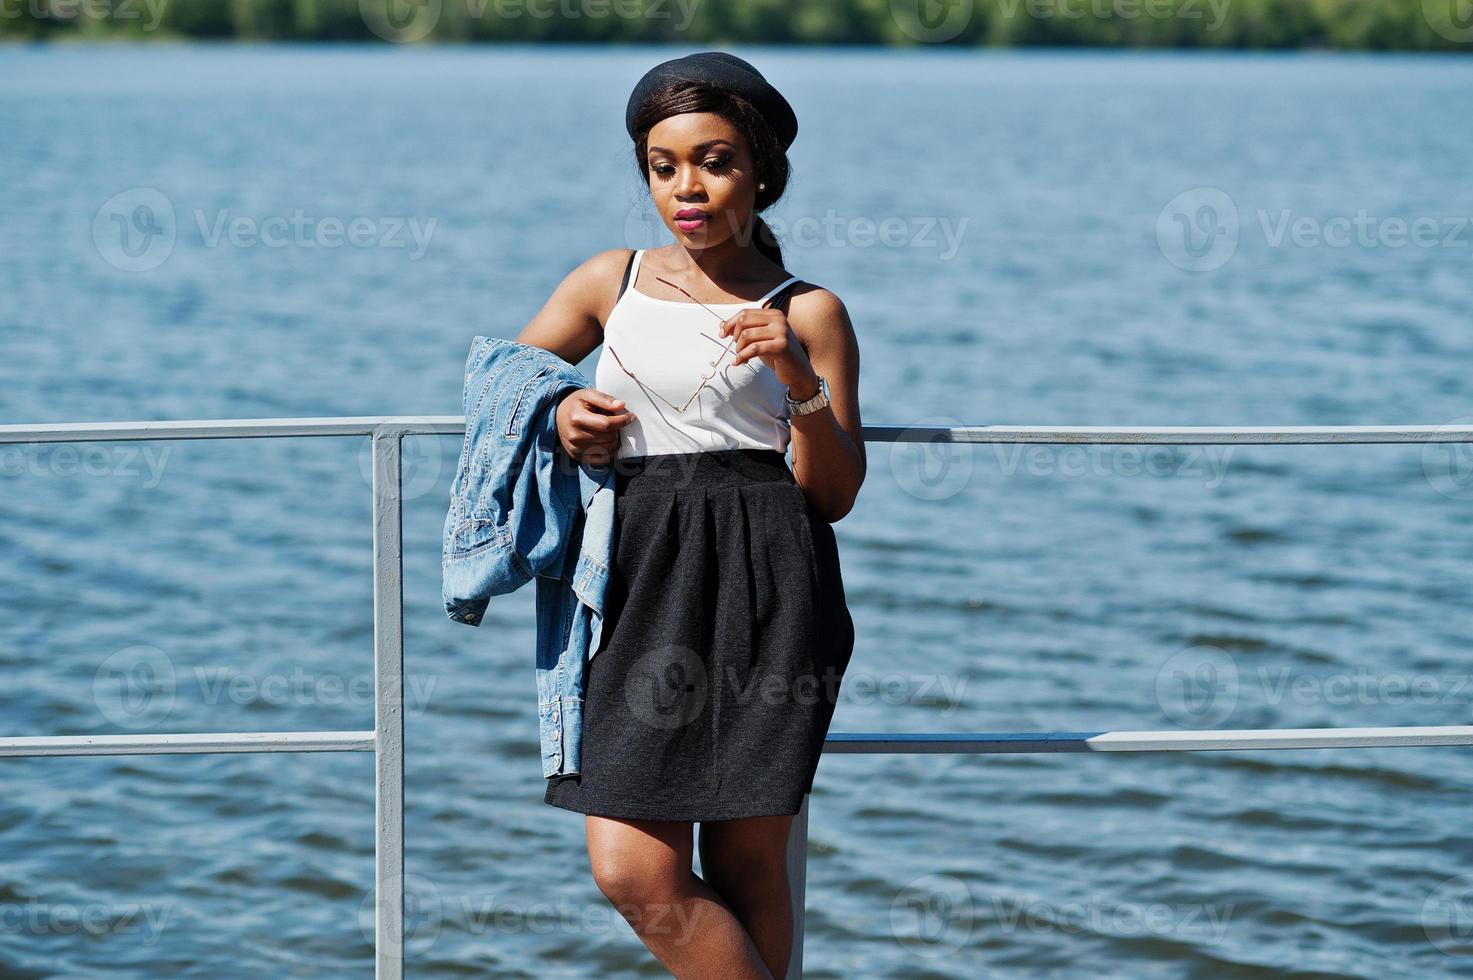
226 429
1145 741
404 425
839 742
173 744
1190 435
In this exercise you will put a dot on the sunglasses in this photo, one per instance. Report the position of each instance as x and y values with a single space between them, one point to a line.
705 379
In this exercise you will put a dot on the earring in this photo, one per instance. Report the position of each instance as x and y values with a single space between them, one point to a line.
762 187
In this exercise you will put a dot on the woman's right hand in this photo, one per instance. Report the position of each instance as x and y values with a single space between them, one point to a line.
588 424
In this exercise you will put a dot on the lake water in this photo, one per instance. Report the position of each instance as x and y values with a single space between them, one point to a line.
1040 238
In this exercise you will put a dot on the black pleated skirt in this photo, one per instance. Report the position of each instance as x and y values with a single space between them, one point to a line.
725 639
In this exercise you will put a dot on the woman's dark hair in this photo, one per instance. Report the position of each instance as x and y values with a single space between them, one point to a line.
769 158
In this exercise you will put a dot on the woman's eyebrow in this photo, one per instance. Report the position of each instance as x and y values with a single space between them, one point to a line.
699 147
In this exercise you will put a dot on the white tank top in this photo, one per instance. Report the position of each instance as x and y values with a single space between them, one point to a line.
669 346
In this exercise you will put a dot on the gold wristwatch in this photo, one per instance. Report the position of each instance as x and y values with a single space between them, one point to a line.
812 404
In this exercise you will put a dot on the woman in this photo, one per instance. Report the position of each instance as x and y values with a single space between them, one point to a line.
726 632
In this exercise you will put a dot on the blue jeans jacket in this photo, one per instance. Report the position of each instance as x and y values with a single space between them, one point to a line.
521 509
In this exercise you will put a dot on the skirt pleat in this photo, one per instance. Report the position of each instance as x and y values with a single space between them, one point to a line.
725 639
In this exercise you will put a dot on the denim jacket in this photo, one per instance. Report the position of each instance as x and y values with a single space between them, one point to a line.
521 509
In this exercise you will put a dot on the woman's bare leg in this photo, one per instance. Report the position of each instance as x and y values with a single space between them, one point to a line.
643 867
746 862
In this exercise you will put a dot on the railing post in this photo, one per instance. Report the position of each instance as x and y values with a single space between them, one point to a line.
388 689
797 881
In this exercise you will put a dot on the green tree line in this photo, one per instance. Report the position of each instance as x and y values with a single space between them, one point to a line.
1392 25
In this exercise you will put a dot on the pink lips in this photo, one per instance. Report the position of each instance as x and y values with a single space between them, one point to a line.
689 219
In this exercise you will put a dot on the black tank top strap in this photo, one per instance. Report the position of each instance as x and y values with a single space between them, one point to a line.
780 301
624 283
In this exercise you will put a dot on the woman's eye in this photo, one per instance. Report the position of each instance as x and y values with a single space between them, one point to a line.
715 163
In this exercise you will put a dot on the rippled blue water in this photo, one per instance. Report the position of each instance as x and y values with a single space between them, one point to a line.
1025 262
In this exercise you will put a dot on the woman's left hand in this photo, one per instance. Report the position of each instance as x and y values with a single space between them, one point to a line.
766 334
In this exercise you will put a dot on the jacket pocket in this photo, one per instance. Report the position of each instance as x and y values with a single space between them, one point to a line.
515 421
474 535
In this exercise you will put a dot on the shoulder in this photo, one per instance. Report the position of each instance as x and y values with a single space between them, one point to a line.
604 268
818 315
596 281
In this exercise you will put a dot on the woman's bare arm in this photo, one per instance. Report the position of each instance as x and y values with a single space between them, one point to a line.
829 460
570 324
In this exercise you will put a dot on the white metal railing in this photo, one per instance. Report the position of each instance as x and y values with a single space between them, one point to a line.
386 740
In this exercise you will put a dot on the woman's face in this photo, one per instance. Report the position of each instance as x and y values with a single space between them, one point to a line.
699 165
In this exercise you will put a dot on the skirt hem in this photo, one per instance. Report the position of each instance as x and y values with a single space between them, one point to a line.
657 813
